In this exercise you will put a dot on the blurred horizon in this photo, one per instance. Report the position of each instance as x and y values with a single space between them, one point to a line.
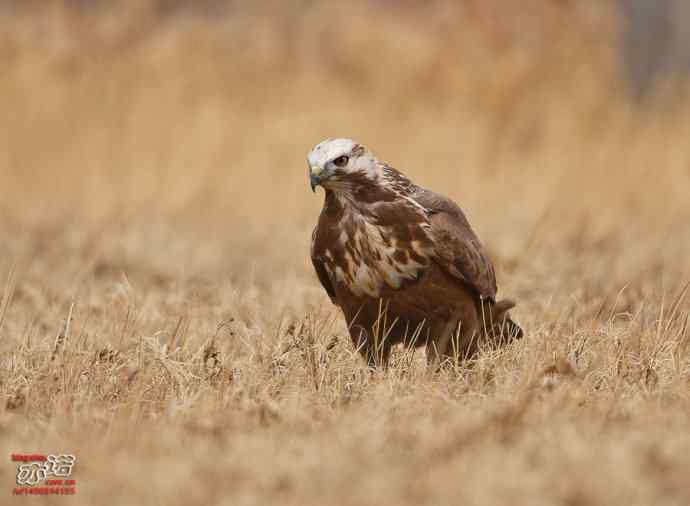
652 40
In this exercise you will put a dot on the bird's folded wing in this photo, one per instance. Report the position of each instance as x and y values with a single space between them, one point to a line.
456 247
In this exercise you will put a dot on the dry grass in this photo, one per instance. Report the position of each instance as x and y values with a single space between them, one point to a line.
160 318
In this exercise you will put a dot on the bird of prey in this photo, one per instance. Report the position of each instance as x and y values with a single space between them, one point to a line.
401 262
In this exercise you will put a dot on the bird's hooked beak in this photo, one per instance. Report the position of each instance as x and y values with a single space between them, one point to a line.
315 173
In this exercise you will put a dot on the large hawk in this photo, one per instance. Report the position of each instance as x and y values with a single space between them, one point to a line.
402 262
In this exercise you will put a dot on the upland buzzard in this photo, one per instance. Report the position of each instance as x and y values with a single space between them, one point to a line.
402 262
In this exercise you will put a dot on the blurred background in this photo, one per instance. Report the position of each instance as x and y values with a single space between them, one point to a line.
155 227
167 139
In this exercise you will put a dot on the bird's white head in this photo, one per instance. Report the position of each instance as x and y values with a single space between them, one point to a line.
337 164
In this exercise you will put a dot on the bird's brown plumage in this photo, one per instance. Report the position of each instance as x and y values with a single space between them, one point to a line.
403 263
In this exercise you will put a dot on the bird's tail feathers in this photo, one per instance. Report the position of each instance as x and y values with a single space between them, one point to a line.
498 325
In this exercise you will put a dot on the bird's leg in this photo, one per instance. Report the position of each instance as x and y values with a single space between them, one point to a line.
437 347
375 353
465 342
456 342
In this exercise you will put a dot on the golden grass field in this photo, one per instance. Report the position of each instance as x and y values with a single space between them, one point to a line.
160 318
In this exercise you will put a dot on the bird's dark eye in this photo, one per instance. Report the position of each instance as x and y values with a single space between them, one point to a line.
341 161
